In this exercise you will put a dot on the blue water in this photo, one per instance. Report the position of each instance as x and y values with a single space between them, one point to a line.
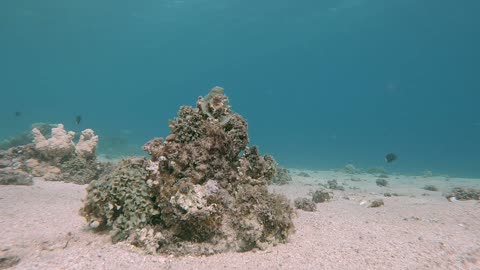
321 83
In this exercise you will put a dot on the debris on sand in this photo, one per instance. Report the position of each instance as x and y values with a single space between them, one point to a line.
320 196
305 204
463 194
376 203
430 188
8 261
282 176
333 184
381 182
350 169
303 174
11 176
377 171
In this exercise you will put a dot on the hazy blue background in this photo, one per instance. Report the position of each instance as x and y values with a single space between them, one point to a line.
321 83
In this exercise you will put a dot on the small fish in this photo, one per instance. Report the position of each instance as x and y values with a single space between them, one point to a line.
391 157
78 119
17 114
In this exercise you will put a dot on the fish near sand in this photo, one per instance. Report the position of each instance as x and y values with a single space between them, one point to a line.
78 119
391 157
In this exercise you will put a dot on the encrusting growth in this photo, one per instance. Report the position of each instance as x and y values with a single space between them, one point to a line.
202 191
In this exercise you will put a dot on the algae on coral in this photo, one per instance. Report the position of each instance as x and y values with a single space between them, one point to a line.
120 200
202 191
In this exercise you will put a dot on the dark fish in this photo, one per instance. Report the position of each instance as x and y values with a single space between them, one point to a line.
389 158
78 119
17 114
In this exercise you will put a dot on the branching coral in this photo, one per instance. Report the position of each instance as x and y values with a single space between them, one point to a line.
209 188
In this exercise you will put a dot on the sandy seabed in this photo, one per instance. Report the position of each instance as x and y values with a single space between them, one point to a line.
40 226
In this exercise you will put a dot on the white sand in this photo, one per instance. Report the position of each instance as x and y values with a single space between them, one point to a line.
40 224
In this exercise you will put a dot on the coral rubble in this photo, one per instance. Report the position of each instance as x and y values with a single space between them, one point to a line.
15 177
282 176
26 137
381 182
54 156
305 204
377 171
12 168
350 169
303 174
202 191
333 184
463 194
376 203
430 188
320 196
8 261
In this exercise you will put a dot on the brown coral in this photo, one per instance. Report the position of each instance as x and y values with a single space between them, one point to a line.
210 188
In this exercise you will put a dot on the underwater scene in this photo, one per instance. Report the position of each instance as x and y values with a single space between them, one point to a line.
227 134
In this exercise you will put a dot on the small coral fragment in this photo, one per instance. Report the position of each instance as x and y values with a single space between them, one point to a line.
282 176
303 174
430 188
462 194
381 182
320 196
333 184
377 203
305 204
